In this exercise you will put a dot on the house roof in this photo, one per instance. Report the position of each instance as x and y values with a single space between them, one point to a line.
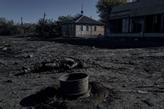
140 8
87 20
81 19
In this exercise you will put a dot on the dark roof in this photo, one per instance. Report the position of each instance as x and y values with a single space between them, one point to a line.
87 20
140 8
81 19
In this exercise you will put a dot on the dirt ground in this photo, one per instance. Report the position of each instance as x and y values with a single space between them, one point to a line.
135 75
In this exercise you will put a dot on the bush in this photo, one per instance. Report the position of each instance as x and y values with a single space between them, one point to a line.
7 27
46 28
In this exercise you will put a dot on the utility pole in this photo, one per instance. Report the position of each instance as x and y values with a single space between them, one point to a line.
44 16
21 21
43 26
22 25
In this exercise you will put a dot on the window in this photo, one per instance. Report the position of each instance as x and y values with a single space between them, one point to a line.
95 28
155 19
84 28
87 28
81 27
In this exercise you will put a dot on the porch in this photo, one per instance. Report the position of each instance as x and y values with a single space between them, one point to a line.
150 25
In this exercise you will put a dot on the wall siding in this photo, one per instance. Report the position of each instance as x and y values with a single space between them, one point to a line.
90 32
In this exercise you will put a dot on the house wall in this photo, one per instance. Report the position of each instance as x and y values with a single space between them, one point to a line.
162 23
142 24
91 31
116 26
143 16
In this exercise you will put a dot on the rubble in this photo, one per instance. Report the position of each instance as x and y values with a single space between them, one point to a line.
29 56
147 101
4 49
58 65
8 81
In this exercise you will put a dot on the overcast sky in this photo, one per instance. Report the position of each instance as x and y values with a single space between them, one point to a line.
32 10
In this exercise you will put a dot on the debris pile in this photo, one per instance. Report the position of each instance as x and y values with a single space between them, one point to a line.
57 65
8 50
6 47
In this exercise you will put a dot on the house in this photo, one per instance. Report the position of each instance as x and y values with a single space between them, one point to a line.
138 18
84 27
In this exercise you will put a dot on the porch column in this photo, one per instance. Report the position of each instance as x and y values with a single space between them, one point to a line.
125 25
143 26
129 24
162 23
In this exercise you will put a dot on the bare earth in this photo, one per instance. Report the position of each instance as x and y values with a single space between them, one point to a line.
136 75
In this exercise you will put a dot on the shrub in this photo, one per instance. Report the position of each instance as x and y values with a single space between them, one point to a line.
47 28
7 27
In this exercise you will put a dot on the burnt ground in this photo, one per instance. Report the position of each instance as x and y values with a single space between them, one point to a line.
133 78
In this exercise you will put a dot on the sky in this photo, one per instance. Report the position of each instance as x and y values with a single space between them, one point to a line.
32 10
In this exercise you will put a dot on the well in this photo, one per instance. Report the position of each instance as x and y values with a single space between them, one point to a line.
74 84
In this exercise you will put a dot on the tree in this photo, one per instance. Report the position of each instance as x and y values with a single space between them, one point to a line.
104 8
47 28
65 19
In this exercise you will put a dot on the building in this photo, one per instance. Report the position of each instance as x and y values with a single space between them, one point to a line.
83 26
138 18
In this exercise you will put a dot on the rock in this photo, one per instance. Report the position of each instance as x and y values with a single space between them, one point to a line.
93 47
26 69
15 63
98 89
9 81
51 65
68 63
5 49
28 55
147 101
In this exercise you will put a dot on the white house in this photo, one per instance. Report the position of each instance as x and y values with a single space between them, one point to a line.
83 26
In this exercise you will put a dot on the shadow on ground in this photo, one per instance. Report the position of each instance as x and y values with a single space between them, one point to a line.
105 42
115 43
43 96
51 98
